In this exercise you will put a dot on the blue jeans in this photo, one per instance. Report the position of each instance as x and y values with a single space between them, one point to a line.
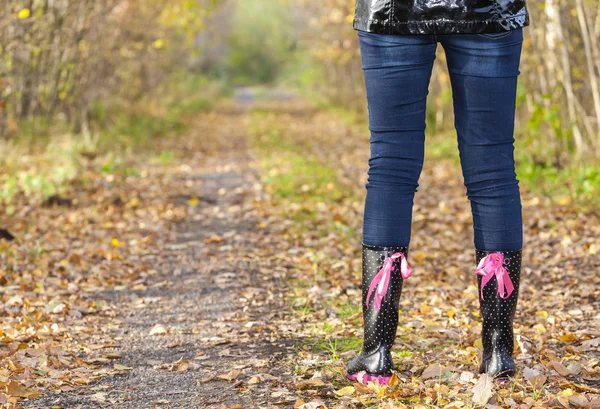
483 72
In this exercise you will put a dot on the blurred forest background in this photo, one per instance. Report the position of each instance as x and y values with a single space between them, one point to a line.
91 77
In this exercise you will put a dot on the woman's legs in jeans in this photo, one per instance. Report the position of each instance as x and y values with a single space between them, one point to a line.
397 70
483 75
483 72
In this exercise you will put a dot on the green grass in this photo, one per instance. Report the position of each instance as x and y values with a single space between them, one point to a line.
403 353
291 171
574 182
336 346
297 178
577 182
165 158
45 159
348 310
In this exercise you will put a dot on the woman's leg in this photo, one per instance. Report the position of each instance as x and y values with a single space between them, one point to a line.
483 73
397 69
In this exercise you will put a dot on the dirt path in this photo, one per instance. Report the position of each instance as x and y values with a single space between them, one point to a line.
209 314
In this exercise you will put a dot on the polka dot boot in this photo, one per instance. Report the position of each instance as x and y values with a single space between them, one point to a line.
384 269
498 275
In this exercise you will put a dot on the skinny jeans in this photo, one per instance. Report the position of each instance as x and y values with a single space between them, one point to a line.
483 71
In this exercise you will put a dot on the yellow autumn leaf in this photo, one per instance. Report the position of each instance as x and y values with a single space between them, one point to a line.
348 390
115 243
23 14
419 256
566 393
542 314
568 337
158 44
565 200
193 202
134 202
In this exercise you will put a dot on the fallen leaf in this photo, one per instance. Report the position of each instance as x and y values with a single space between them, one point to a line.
568 337
560 402
455 405
566 393
316 404
310 383
591 343
482 391
433 371
158 329
16 389
467 376
213 239
537 381
254 380
348 390
181 365
574 367
207 379
230 376
579 401
558 367
530 373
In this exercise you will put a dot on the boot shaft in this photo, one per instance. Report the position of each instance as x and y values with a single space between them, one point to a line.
498 279
382 280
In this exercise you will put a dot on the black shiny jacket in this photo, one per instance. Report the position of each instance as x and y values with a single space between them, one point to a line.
440 16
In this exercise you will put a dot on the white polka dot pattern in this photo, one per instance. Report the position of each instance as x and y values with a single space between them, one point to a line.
379 326
498 314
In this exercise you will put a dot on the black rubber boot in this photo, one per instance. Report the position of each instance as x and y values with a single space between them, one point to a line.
383 271
498 304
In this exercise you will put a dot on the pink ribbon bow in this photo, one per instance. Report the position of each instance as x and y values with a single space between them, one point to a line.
490 266
382 279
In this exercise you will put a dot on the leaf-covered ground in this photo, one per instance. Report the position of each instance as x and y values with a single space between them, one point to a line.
227 274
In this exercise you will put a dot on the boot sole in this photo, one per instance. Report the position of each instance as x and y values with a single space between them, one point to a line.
382 380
